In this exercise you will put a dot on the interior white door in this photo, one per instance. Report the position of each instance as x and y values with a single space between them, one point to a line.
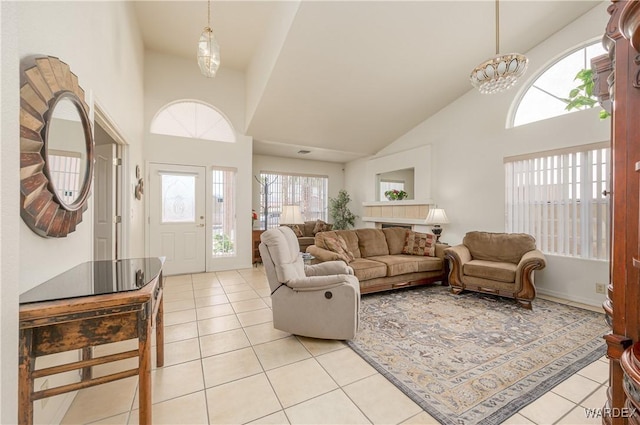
177 217
104 237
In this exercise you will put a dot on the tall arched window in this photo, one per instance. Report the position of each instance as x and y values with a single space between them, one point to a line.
545 97
192 119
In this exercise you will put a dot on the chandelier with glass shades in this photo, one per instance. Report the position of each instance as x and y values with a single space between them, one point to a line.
501 71
208 49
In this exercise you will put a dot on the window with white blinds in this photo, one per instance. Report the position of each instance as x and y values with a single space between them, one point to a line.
64 171
308 191
224 212
559 198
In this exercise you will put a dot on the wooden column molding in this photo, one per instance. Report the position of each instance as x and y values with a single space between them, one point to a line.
617 78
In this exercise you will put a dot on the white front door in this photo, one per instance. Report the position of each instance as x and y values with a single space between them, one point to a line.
177 217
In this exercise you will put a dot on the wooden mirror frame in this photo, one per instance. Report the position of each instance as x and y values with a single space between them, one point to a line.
41 209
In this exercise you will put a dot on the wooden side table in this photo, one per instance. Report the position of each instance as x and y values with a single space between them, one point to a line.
94 303
255 243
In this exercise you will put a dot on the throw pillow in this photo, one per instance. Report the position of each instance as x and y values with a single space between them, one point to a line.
321 226
339 246
297 230
417 243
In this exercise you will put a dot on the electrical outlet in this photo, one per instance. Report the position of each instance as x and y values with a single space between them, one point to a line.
600 288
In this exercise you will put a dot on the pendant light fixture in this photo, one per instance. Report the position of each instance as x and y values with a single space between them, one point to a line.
208 49
501 71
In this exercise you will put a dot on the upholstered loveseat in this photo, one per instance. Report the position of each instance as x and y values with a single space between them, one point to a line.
376 256
496 263
306 232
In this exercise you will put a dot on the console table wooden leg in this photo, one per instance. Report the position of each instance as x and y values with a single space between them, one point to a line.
86 373
160 333
25 380
144 374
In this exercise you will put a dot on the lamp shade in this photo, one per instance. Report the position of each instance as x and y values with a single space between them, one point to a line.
437 216
291 215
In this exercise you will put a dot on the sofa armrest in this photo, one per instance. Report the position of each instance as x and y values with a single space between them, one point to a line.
459 253
532 260
533 256
440 247
317 283
328 268
457 256
322 254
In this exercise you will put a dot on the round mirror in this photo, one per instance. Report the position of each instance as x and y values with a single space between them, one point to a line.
66 151
56 148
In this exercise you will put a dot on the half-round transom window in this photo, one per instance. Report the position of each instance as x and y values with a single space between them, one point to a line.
546 97
194 120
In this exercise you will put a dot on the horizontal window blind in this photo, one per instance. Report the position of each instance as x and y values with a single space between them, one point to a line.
308 191
559 199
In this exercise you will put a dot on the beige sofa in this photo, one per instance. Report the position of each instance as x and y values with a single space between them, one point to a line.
306 232
496 263
379 263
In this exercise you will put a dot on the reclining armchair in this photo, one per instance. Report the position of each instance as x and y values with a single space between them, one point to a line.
319 301
496 263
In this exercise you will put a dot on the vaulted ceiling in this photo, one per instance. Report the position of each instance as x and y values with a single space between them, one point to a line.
344 79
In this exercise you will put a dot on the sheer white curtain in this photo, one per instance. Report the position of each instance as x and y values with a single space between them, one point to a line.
558 197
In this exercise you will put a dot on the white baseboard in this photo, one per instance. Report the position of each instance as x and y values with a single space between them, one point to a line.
571 297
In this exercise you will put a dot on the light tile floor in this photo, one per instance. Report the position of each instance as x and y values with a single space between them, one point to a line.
226 364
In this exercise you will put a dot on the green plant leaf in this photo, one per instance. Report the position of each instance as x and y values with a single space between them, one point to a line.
581 97
343 218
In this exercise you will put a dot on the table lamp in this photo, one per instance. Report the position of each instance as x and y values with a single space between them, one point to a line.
436 217
291 215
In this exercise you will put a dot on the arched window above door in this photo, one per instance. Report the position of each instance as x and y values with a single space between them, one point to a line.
194 120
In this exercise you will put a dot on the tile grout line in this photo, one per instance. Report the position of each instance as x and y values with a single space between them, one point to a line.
313 356
340 387
579 403
204 383
264 372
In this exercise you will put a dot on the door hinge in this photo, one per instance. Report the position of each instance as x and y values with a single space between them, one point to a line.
117 219
117 161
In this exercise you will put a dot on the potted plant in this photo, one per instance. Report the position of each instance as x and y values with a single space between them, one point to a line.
342 217
582 97
395 195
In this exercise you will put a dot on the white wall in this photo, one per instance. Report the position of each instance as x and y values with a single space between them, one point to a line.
355 175
9 212
417 158
168 79
334 171
467 160
100 42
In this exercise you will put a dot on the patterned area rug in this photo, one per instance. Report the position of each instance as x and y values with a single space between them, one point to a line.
473 358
